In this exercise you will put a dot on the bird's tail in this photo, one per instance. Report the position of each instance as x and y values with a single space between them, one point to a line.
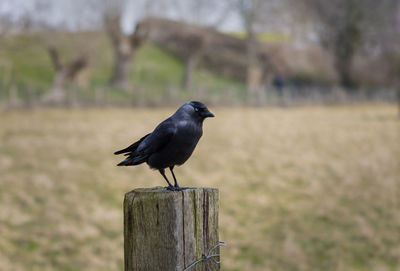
132 161
133 157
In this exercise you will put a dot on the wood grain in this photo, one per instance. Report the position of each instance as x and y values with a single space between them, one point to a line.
169 230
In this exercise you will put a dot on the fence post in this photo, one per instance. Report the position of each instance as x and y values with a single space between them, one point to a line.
169 230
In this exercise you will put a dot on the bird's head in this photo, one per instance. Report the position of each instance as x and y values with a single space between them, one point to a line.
196 110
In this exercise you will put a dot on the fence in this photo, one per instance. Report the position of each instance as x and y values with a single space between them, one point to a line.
21 96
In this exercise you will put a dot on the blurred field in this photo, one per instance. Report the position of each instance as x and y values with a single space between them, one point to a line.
301 189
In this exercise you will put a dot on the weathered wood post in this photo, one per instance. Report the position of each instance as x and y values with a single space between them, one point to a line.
169 230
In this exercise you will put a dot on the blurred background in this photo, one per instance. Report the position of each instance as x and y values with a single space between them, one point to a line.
304 147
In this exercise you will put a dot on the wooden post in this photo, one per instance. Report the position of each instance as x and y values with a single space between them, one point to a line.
169 230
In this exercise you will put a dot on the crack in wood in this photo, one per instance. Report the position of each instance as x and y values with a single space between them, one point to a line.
183 229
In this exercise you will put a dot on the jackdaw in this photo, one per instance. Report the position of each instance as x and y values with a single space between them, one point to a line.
172 141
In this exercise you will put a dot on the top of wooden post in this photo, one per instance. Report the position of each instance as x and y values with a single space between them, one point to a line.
160 189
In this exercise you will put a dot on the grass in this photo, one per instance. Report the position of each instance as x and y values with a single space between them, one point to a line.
24 57
300 189
264 37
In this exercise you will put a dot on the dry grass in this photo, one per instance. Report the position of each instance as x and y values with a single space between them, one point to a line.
301 189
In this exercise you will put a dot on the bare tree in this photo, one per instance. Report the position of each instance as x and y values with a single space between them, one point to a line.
124 45
391 42
206 13
6 24
388 38
342 26
251 13
65 71
195 48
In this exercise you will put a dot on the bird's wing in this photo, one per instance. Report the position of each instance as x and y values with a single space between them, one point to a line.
132 147
158 139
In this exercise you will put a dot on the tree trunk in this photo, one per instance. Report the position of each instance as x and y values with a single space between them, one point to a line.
343 68
190 66
398 101
124 47
57 92
14 101
345 44
254 72
122 69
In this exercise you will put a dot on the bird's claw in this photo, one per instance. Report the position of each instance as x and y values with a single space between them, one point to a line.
174 188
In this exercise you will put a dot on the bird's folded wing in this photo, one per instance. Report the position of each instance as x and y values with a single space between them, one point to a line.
158 139
132 147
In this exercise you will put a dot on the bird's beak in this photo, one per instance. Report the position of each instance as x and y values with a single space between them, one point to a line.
208 114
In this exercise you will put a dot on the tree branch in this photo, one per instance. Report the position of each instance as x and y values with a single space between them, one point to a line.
113 28
76 65
55 57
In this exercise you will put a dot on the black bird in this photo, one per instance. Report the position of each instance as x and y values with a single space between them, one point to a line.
172 141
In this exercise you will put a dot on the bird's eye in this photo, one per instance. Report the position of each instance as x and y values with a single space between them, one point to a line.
196 109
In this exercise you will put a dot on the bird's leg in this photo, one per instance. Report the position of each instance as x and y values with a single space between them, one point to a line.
162 171
173 175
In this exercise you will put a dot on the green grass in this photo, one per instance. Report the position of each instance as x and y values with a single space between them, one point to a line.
26 59
264 37
301 189
156 67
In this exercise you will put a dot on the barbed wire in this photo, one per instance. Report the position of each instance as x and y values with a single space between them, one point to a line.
208 256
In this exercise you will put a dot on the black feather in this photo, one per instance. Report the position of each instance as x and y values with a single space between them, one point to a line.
132 147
